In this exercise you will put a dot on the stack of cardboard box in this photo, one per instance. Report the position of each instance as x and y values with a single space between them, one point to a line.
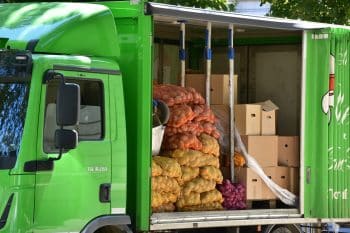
277 155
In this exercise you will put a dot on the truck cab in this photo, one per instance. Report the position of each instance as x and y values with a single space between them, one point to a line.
40 190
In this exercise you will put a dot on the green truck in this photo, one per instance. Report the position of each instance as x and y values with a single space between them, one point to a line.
76 110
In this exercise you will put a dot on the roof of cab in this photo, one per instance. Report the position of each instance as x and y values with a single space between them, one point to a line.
60 28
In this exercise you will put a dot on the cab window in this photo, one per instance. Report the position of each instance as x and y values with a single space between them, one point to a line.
91 119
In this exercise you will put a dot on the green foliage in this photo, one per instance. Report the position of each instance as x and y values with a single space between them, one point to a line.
327 11
214 4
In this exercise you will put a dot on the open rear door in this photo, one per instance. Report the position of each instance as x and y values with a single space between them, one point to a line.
326 131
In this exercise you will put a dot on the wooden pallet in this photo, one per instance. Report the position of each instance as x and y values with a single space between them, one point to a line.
261 204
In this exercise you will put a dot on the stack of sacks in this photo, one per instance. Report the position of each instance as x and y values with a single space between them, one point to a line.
191 139
165 188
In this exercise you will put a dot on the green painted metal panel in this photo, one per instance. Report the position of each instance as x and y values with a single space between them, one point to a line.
118 140
71 190
135 38
339 128
60 28
327 145
316 125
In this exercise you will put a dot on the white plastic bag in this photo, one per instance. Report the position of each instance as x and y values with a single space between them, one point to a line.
157 138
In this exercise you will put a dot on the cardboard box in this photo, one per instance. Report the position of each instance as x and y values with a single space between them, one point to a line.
288 151
251 181
266 191
219 87
263 149
282 177
248 118
268 117
294 180
268 123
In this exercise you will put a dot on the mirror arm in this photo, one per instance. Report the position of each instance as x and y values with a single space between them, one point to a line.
60 151
63 81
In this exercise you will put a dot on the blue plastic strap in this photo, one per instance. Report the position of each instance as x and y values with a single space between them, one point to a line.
182 54
231 53
208 54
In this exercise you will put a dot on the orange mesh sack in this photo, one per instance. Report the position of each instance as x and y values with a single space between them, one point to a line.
239 160
205 114
182 141
196 97
179 115
189 127
210 129
172 94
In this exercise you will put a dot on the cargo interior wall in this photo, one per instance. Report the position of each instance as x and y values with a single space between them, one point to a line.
268 64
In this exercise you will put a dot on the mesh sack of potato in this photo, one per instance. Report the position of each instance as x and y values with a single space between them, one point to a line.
170 167
172 94
156 169
198 185
203 207
204 114
211 196
189 200
161 198
211 173
210 129
179 115
190 127
197 98
169 207
194 158
209 145
165 184
182 141
189 173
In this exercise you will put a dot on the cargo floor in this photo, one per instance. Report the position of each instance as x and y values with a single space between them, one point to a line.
215 217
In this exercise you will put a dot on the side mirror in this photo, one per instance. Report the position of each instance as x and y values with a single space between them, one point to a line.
66 139
68 104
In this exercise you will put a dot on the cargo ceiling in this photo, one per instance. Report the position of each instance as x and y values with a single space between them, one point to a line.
172 14
59 28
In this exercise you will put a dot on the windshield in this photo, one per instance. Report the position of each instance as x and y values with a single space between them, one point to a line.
13 107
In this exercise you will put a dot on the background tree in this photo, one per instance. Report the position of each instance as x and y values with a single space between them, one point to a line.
327 11
214 4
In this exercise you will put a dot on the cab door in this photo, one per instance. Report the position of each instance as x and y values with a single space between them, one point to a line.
77 189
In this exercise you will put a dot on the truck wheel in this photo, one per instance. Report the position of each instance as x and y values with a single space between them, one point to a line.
283 229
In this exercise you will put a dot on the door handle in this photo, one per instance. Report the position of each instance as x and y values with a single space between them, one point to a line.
105 193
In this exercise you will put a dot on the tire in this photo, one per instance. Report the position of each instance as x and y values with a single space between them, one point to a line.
283 229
